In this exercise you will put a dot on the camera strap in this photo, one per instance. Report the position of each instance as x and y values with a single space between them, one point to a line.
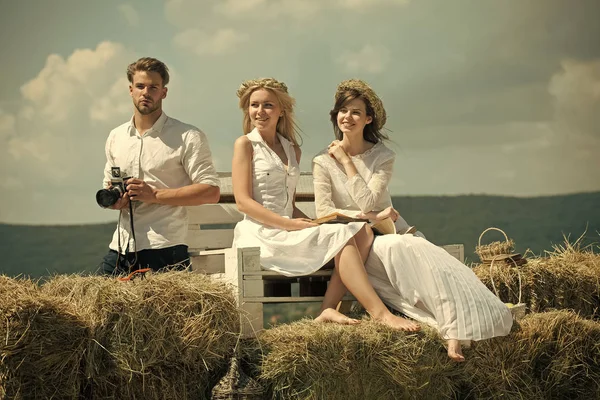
131 266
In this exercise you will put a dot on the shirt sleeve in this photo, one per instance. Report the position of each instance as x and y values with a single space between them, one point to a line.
197 159
323 188
366 196
110 162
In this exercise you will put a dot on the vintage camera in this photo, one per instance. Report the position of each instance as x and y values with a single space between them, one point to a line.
107 197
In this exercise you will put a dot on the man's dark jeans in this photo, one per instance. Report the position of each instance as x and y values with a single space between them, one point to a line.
169 258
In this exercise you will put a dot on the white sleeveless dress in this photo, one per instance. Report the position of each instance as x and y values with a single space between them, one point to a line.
291 253
408 272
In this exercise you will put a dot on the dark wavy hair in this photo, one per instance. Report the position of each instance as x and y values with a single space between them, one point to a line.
370 133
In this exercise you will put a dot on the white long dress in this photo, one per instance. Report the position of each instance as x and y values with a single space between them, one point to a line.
290 253
408 272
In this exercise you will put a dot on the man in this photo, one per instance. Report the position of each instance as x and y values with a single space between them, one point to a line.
170 166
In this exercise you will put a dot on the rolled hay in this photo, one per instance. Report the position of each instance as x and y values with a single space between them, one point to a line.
167 336
307 360
42 343
552 355
568 278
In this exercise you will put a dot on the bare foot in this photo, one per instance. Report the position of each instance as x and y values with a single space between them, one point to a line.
331 315
455 350
399 323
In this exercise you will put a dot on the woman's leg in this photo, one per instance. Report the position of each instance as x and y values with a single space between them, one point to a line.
354 276
336 288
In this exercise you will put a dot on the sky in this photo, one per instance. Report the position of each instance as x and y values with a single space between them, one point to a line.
483 97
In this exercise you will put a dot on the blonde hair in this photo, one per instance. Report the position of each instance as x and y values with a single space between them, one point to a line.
286 125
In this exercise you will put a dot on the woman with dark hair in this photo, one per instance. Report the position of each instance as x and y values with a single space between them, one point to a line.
409 273
264 175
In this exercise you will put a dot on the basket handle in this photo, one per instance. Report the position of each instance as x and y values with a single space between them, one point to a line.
518 274
490 229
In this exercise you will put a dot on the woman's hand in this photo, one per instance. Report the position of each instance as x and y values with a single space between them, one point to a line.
296 224
336 151
389 212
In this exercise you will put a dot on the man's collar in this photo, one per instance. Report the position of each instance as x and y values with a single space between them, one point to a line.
157 127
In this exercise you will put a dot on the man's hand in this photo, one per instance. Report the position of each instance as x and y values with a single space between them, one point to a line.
122 203
139 190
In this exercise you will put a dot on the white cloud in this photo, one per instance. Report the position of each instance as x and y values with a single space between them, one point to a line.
222 41
62 85
64 115
236 7
130 14
361 4
576 92
114 103
371 59
269 9
191 13
7 124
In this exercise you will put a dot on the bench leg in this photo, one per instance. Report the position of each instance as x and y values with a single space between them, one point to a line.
237 261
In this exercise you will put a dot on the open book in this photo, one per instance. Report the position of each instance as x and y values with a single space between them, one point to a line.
386 226
337 218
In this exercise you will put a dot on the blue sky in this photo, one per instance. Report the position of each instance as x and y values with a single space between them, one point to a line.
496 97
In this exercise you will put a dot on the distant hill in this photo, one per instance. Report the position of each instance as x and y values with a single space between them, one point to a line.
534 223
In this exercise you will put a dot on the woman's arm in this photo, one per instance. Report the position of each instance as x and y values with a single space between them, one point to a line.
323 188
241 178
365 195
297 213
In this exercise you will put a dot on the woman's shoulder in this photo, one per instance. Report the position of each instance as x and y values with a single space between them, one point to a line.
322 157
381 151
243 143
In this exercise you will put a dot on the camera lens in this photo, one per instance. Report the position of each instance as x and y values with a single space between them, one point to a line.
107 197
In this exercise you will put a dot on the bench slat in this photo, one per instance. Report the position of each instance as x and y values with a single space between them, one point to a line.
311 299
209 239
214 214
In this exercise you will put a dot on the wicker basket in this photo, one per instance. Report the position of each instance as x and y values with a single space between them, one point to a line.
499 251
236 385
503 253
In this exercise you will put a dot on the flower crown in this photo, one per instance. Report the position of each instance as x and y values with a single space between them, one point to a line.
364 90
268 83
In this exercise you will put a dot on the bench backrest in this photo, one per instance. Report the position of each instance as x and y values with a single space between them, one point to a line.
211 225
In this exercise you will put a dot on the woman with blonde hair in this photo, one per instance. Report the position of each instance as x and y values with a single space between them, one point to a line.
409 273
264 175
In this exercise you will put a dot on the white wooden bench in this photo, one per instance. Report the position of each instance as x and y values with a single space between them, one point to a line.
210 236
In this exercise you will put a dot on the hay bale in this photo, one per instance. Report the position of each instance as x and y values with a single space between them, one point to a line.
568 278
306 360
564 351
552 355
163 337
42 346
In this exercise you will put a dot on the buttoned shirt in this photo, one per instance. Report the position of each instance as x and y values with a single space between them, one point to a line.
169 155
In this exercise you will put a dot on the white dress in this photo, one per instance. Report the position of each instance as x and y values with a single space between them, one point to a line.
408 272
291 253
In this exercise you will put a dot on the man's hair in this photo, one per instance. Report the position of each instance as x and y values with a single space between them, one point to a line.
148 64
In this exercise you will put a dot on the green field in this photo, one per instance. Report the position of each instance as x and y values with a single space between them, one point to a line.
534 223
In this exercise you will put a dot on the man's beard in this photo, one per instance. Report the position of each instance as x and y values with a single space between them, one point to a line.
145 110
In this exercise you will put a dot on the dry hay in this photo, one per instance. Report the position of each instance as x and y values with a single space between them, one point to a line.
568 278
166 336
491 250
42 343
552 355
307 360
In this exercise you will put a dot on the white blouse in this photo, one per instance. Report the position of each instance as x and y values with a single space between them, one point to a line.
364 192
